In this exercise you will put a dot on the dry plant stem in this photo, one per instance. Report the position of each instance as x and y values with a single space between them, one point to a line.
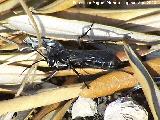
32 20
109 84
25 79
29 114
149 87
9 115
59 107
5 90
11 74
39 38
105 85
145 24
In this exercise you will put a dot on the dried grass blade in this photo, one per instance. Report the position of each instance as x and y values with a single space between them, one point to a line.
17 58
58 5
149 87
40 99
105 16
12 74
144 24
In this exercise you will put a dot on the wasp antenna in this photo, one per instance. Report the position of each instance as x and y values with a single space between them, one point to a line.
92 25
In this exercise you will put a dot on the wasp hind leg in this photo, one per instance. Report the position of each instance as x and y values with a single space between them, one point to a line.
80 77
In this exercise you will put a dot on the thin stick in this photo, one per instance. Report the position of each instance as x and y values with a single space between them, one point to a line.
32 20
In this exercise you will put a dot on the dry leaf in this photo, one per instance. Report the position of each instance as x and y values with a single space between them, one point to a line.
149 87
8 46
59 113
45 110
2 1
123 57
109 84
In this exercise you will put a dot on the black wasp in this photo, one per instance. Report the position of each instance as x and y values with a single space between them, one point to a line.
60 58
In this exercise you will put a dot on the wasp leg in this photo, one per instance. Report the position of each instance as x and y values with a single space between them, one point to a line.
30 66
51 75
55 69
79 76
84 34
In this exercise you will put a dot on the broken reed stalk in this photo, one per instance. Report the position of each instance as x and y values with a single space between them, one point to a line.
102 86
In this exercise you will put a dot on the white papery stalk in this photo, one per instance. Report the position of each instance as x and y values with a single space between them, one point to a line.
64 29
